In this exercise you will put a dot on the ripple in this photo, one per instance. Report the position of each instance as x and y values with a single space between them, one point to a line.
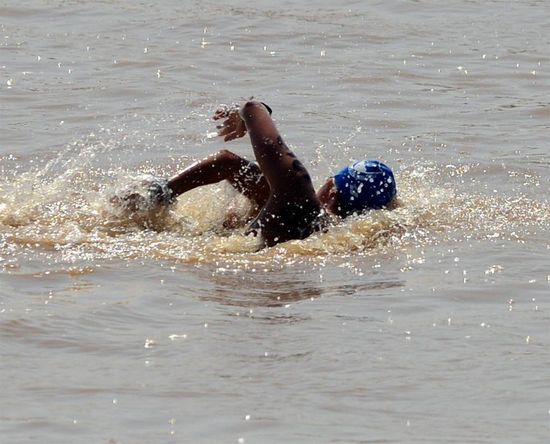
68 217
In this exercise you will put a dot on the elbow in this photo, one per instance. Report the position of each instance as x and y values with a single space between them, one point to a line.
252 109
251 104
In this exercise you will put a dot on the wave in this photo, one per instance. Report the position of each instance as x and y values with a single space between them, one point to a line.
63 210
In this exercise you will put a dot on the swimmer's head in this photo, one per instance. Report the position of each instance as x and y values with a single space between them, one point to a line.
364 185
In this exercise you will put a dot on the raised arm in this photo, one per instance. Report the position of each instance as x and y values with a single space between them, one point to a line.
292 210
283 171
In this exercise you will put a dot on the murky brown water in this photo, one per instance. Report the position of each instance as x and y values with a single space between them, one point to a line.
425 324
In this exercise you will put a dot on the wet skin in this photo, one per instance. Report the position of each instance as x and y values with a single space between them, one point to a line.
285 205
292 208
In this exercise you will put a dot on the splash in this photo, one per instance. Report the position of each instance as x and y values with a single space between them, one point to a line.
64 211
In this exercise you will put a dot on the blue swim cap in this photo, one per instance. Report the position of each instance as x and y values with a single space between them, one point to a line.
365 185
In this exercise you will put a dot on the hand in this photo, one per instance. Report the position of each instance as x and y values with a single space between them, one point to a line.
233 127
149 194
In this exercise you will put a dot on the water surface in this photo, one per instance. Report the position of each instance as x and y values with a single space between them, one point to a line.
425 324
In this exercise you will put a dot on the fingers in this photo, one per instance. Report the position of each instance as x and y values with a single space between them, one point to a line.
225 111
233 134
231 124
220 114
232 127
225 131
227 126
228 133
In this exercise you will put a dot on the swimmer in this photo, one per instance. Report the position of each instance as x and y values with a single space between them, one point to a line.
285 205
